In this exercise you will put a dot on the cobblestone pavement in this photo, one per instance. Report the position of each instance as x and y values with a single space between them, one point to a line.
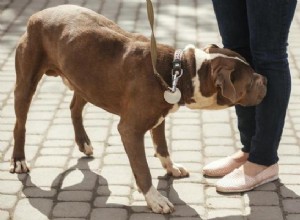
65 185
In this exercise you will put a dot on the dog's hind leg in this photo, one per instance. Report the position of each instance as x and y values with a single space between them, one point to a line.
161 151
81 137
28 74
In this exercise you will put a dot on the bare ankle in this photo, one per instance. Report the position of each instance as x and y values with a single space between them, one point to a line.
240 156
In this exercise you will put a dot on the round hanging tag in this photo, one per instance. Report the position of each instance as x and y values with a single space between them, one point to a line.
172 97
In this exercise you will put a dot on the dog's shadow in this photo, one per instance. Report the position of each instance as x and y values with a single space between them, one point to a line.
47 200
278 199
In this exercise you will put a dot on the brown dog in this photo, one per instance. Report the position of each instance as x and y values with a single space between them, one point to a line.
112 69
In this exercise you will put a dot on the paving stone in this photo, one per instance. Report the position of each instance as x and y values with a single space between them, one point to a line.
44 177
290 191
224 203
79 180
189 211
111 201
293 217
292 205
71 209
218 151
216 130
116 159
75 196
84 163
116 175
38 192
146 216
186 132
60 132
262 198
109 213
182 193
51 161
186 145
266 213
5 175
114 190
4 215
55 151
33 209
10 187
7 201
186 156
226 214
69 218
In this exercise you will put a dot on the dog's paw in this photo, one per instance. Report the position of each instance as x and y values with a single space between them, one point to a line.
177 170
18 166
88 149
157 202
173 169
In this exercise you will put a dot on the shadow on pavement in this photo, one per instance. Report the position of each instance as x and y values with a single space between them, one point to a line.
101 185
261 203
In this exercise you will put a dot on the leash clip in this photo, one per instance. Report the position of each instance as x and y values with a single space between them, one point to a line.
176 74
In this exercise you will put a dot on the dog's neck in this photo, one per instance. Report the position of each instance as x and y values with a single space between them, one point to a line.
188 64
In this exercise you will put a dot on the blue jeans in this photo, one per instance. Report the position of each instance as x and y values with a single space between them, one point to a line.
258 30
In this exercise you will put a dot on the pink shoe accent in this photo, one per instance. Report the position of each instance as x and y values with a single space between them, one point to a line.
238 181
221 167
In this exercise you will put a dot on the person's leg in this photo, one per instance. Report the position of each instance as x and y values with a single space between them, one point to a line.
269 22
233 26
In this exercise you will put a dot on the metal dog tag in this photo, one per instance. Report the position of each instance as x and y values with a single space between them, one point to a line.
172 97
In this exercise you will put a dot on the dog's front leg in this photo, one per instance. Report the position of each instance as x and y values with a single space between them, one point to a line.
133 141
161 151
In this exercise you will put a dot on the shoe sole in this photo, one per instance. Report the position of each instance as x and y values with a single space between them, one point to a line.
247 189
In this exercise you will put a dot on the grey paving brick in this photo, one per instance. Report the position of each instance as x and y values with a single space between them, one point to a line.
189 211
262 198
224 203
293 217
7 201
51 161
109 213
292 205
71 209
116 175
190 193
44 177
10 187
290 191
226 214
79 180
4 215
35 209
147 217
266 213
75 196
111 201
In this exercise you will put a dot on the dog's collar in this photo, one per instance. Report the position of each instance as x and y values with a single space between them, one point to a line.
177 71
177 60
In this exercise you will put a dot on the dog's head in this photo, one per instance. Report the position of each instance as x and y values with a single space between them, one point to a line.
224 78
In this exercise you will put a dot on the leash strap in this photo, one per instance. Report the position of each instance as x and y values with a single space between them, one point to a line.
153 48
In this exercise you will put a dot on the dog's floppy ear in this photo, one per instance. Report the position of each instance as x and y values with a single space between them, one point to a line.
210 46
223 81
